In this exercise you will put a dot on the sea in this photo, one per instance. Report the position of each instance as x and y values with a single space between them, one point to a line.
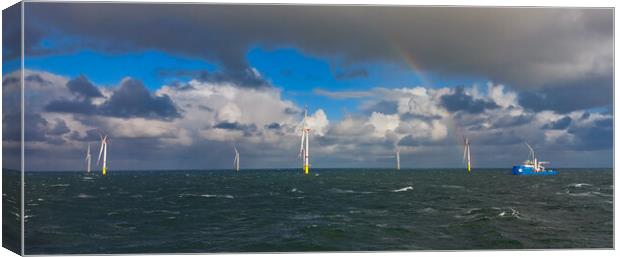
327 210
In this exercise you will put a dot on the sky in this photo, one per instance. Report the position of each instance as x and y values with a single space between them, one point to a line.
176 86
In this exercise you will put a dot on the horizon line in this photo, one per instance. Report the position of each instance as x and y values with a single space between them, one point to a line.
281 169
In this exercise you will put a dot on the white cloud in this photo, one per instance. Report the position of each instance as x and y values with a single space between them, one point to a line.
266 123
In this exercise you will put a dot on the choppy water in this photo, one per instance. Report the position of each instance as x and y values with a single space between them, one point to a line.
328 210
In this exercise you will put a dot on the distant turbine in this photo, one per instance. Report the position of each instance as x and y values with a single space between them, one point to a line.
397 158
304 149
236 160
88 157
104 150
467 154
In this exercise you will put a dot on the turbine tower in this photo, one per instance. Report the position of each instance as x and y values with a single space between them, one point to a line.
467 154
305 144
88 157
397 158
236 160
103 150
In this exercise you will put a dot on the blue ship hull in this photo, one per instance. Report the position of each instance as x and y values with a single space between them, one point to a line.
529 171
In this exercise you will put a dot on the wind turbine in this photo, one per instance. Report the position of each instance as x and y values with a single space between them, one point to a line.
103 150
88 157
467 154
397 158
304 148
236 160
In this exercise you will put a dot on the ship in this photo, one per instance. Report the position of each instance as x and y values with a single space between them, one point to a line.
532 166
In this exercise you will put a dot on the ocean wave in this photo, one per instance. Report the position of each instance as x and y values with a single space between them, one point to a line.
491 213
161 211
348 191
82 195
60 185
306 216
584 194
427 210
603 194
453 186
511 213
579 185
580 194
220 196
403 189
295 190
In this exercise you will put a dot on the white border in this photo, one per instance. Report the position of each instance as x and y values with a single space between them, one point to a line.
550 3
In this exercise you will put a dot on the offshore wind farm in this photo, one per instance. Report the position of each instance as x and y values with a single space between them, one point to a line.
306 128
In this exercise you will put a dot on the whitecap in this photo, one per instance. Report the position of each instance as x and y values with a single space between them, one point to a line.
186 195
341 191
579 184
581 194
82 195
403 189
453 186
348 191
59 185
161 211
221 196
427 210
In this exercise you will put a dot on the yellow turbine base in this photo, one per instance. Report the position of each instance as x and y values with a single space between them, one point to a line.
103 171
305 169
468 168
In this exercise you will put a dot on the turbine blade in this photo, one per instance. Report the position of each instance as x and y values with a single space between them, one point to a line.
301 147
100 152
464 153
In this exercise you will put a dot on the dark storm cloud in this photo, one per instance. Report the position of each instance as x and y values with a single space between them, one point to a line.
71 106
37 79
11 30
243 78
512 121
385 107
500 137
597 136
59 128
91 135
83 87
578 95
562 123
291 111
524 47
274 126
132 99
458 100
35 128
245 128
